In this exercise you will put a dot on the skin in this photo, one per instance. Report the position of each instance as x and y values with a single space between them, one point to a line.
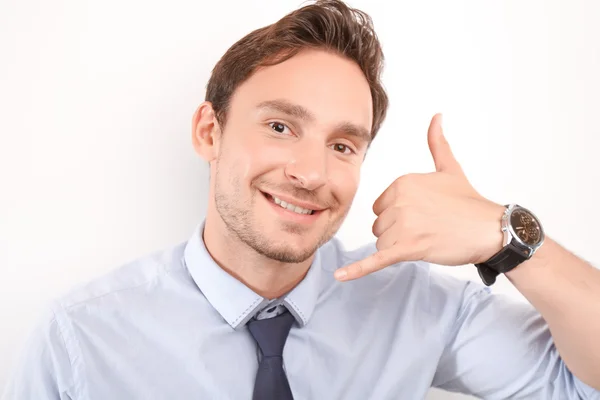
436 217
313 157
440 218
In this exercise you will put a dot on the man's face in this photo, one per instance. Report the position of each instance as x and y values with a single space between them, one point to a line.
296 135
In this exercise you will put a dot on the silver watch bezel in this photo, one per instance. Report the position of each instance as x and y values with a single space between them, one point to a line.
509 233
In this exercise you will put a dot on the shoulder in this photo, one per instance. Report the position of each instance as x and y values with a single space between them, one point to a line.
134 275
51 360
46 362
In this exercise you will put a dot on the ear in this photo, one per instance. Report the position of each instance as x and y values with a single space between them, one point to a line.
206 132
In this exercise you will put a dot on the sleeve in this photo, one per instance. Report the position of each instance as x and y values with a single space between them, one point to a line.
501 348
43 371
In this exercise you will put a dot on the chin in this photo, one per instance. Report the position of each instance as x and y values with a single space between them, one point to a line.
294 244
294 250
286 254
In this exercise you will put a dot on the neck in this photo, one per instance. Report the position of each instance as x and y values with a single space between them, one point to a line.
267 277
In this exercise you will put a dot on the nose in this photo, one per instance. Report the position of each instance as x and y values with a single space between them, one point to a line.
308 169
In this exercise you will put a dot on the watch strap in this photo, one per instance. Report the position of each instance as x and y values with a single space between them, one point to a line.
487 275
506 259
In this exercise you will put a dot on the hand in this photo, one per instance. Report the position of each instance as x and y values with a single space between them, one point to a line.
436 217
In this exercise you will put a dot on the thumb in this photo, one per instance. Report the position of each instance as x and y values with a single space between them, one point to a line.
440 148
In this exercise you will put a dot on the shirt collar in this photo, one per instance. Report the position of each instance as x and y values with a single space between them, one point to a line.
236 302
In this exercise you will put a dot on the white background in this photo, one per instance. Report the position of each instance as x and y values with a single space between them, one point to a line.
96 100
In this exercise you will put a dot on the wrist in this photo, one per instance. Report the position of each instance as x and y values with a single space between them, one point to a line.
522 236
492 232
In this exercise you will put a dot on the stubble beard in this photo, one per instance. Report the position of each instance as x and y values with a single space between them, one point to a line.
241 222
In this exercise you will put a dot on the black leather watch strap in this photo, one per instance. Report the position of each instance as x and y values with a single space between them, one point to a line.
506 259
487 275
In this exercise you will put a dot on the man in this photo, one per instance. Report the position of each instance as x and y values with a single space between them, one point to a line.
263 303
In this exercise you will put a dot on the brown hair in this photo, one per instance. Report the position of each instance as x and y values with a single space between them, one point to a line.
327 24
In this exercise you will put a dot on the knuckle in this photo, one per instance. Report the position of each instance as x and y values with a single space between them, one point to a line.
384 243
400 183
358 269
379 257
421 243
405 217
406 181
398 209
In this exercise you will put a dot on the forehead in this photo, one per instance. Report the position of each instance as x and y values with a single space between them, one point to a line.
330 86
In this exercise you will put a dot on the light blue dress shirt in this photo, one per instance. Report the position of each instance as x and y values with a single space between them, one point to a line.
173 326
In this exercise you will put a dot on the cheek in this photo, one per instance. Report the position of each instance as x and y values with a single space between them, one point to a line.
344 180
253 155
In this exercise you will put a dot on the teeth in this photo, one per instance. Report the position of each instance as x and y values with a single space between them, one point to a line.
291 207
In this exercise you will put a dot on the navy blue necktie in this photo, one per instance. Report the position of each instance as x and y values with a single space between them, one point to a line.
271 334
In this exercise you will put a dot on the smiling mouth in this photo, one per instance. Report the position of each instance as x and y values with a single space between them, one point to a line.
289 206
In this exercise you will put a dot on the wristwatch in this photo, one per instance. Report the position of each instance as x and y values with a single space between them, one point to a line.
523 235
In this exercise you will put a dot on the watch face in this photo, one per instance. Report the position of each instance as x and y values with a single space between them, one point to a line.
526 227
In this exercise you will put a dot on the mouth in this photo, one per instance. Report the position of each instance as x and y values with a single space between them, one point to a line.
290 206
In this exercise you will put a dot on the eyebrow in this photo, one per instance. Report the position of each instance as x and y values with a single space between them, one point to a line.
288 108
300 112
358 132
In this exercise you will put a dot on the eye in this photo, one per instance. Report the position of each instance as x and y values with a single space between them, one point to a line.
342 148
278 127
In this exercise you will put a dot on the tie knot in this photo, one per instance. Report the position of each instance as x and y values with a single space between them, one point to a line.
271 333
